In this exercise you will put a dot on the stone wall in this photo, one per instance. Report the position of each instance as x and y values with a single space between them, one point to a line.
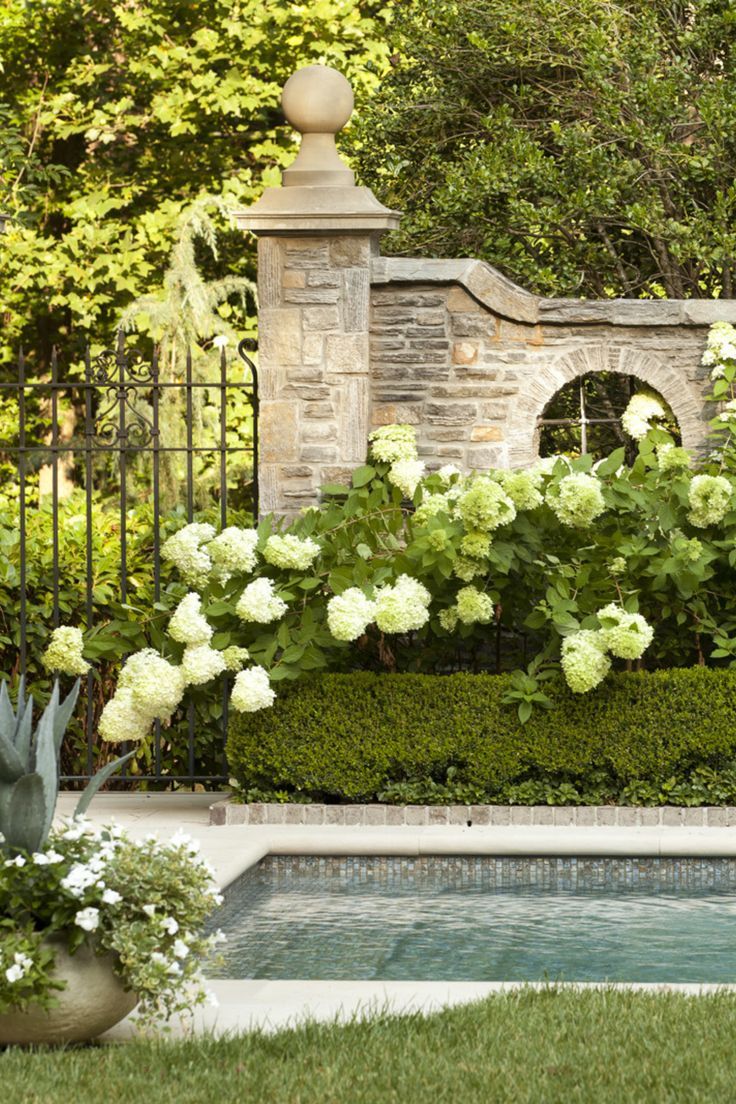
350 340
472 361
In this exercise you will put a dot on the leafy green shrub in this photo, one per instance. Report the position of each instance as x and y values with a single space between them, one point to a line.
350 736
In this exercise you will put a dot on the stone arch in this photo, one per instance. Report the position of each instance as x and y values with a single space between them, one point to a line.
523 435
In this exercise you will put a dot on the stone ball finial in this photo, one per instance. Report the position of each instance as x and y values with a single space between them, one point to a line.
317 100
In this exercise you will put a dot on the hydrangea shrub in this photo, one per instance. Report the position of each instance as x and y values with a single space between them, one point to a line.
603 564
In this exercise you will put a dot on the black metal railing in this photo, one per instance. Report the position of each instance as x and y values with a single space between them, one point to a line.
98 466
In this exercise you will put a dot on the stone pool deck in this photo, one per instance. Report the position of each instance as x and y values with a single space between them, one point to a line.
233 848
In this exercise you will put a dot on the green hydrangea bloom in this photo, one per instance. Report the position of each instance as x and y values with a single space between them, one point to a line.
577 500
710 498
584 661
475 544
485 505
468 569
392 443
522 487
474 607
625 635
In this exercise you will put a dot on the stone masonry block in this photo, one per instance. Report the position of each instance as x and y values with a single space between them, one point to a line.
313 347
270 265
353 419
465 352
307 253
449 413
311 296
294 278
392 413
347 251
355 297
486 433
279 432
321 318
280 337
323 278
346 353
459 302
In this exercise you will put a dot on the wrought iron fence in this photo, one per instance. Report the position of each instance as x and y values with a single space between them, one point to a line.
98 467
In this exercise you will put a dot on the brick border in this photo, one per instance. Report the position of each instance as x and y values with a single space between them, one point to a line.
589 816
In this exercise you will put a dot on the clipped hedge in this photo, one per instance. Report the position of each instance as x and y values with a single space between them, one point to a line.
347 736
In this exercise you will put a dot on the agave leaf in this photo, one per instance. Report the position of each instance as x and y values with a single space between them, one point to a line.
26 814
5 794
7 716
12 766
46 760
23 733
63 713
99 779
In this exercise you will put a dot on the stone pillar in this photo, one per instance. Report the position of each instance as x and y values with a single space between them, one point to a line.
316 237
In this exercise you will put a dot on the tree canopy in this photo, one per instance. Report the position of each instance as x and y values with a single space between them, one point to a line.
586 149
116 116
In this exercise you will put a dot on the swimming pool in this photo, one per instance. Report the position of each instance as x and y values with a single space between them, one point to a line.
482 918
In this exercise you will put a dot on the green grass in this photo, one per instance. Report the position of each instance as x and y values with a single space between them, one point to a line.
542 1047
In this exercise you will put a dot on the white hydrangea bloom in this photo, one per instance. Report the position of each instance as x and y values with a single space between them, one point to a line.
122 719
157 685
545 465
201 664
259 603
349 614
406 474
577 500
252 691
448 472
291 552
626 635
185 549
392 443
642 409
720 347
188 624
234 552
584 661
474 607
709 497
64 652
402 607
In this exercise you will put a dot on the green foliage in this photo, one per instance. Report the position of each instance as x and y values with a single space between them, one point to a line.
585 149
117 117
353 736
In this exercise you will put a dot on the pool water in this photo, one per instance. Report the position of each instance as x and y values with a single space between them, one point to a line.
482 919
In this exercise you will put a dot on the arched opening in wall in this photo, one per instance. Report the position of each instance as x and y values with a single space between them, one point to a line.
585 416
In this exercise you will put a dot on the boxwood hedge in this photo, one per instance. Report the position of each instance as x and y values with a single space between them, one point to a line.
347 736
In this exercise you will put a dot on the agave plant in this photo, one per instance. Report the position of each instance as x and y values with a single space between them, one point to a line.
29 768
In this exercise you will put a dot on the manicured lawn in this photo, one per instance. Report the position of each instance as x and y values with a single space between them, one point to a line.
540 1047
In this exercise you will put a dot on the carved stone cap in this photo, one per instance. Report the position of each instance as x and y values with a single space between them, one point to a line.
319 191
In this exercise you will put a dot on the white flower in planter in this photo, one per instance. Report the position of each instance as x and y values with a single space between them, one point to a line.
88 919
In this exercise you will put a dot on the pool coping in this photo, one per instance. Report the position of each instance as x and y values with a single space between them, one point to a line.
228 812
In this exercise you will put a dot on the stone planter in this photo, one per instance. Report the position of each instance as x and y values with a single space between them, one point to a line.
93 1001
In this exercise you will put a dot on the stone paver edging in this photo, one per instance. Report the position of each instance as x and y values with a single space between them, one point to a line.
588 816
